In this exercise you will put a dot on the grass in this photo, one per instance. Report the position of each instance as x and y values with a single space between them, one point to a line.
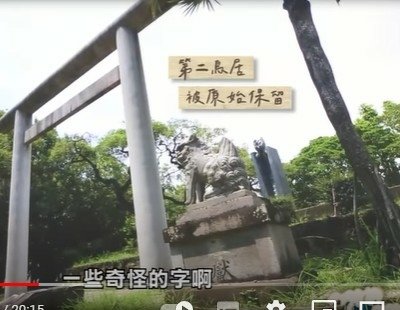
321 276
108 257
143 300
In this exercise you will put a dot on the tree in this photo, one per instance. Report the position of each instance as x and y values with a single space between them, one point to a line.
62 205
81 199
321 168
382 140
391 116
317 170
72 214
321 73
249 167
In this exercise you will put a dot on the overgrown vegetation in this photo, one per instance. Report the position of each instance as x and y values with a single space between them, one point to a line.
144 300
108 257
348 269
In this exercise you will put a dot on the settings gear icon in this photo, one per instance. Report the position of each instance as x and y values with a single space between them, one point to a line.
276 305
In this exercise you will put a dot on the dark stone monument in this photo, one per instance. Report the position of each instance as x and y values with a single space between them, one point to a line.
270 174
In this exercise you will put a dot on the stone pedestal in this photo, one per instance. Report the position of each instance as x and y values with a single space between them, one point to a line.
240 236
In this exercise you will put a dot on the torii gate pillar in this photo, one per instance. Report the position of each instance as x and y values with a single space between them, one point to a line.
147 193
18 218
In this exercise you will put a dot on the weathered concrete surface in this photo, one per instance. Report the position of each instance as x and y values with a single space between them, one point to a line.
18 216
147 195
235 236
224 213
326 209
52 298
321 237
314 212
87 96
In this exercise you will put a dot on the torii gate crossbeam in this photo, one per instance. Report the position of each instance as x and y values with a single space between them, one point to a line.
149 207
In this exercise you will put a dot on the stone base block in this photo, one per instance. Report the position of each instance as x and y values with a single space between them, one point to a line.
236 237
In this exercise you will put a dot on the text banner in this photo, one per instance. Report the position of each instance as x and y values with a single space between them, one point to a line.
254 97
211 67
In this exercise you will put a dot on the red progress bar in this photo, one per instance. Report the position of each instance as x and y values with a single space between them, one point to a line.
14 284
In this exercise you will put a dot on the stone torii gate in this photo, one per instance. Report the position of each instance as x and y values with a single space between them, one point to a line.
149 206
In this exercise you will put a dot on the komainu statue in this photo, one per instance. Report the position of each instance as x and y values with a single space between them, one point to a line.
209 173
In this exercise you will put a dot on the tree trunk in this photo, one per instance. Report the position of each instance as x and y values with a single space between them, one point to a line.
387 211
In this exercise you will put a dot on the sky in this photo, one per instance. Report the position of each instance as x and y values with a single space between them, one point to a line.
360 38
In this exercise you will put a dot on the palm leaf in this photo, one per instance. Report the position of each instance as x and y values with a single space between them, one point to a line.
193 5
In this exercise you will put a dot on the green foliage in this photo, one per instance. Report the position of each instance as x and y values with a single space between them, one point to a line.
285 205
174 209
382 139
348 266
145 300
316 169
81 197
163 130
111 155
283 201
176 296
248 163
108 257
250 298
5 170
129 232
72 214
391 116
321 172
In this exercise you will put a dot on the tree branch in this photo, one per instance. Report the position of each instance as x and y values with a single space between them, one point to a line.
111 183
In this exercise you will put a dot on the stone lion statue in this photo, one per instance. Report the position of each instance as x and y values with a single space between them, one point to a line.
209 173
